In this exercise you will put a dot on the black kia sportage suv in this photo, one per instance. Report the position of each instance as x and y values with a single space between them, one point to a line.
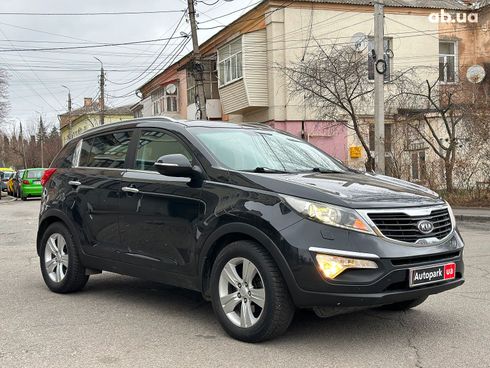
257 220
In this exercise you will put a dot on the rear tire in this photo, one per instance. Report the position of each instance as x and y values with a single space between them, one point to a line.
23 198
401 306
60 262
258 304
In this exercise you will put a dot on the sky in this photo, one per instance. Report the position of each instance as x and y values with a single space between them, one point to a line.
36 78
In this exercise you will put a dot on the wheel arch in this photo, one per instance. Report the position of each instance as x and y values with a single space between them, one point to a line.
50 218
232 232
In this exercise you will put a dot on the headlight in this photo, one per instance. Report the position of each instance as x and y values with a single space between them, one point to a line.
332 266
328 214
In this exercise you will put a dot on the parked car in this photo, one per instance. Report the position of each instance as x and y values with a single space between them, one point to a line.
30 185
17 181
258 221
5 175
10 185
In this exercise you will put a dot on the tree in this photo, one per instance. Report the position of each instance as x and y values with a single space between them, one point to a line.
443 115
335 83
4 105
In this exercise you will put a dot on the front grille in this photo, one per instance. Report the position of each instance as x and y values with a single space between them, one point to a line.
402 227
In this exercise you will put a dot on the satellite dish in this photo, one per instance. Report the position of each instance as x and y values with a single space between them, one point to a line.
475 74
171 89
359 42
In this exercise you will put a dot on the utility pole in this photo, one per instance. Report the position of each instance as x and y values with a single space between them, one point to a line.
70 133
197 65
102 93
379 98
41 138
23 146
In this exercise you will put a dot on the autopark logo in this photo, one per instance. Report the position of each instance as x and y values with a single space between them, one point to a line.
453 17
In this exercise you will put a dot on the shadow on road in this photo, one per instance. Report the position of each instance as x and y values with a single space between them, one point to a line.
151 297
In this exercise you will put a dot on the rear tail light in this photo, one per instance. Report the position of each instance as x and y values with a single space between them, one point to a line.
26 182
47 174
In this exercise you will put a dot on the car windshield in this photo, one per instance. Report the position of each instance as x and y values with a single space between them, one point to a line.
34 174
264 151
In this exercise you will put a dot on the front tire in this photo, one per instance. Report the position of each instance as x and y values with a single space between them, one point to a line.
248 293
60 263
401 306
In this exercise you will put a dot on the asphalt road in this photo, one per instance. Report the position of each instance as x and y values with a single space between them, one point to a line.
125 322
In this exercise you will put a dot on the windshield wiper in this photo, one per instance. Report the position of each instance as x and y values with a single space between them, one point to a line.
268 170
326 171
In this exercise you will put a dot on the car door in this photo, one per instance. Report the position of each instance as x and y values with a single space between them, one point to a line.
159 214
96 180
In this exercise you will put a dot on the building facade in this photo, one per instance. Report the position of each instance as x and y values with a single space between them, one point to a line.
245 82
77 121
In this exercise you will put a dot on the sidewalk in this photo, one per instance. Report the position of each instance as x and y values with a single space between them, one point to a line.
472 214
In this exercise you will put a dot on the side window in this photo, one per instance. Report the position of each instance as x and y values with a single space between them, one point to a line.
107 150
85 152
154 144
64 159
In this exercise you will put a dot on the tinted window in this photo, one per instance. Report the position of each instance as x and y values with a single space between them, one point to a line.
153 145
65 158
108 150
35 174
85 151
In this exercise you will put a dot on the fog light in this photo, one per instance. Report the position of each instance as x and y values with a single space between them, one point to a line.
332 266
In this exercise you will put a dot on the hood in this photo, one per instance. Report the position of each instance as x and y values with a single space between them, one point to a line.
350 189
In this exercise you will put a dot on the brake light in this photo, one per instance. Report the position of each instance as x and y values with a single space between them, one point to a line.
47 174
26 182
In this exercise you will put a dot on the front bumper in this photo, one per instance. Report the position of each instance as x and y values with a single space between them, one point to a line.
363 288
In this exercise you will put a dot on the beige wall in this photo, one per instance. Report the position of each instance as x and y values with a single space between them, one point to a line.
87 122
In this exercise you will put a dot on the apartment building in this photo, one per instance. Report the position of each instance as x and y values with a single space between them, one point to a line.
244 81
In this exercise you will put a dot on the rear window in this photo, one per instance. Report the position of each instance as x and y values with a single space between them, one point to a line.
107 150
35 174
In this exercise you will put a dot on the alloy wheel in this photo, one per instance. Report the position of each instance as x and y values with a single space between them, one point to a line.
56 257
241 292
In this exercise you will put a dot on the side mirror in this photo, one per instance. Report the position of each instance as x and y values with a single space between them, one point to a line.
177 165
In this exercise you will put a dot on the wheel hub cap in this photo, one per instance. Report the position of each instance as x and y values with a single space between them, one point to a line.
241 292
56 257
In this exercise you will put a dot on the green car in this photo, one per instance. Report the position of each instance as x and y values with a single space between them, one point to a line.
30 185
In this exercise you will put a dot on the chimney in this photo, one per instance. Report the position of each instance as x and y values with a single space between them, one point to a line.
87 102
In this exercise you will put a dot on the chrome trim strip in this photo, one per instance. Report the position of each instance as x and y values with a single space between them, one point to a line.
336 252
165 164
418 211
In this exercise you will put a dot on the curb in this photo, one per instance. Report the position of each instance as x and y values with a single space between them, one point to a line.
472 218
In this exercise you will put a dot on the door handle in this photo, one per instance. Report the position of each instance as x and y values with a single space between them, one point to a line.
74 183
130 190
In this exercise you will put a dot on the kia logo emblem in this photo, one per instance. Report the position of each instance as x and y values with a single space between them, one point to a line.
425 227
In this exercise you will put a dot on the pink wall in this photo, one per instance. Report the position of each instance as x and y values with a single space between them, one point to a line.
329 136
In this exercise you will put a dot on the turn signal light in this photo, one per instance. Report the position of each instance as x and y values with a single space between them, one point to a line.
333 266
46 175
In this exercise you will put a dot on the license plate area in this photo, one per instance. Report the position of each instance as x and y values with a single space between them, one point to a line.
431 274
36 182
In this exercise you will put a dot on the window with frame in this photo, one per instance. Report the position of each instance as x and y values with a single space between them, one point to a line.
419 167
210 82
372 137
107 150
165 99
155 144
448 61
230 66
388 44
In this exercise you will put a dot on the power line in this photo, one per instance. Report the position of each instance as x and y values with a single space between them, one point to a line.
89 46
158 55
93 13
